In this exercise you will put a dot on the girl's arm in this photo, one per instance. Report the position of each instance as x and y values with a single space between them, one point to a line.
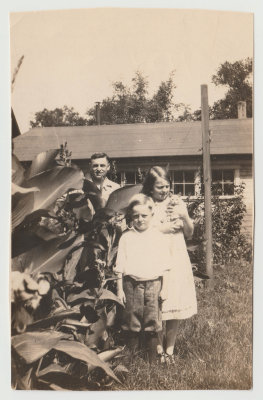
179 210
188 226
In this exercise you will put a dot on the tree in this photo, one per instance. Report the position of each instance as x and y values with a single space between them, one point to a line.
161 106
58 117
132 105
236 77
188 115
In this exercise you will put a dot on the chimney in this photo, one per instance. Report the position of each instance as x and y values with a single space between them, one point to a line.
97 116
241 110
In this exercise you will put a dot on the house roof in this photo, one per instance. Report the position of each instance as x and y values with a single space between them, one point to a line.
139 140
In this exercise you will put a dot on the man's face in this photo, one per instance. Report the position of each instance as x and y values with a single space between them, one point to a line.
99 168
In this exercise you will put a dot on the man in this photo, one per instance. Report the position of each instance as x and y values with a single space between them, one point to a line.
99 167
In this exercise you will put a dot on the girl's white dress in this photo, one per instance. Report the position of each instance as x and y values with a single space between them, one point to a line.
181 300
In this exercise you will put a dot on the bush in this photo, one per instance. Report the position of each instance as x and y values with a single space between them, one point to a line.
228 240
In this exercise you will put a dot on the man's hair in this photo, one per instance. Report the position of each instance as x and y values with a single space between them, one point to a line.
100 155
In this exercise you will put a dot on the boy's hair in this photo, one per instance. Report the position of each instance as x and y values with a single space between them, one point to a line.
153 174
136 200
100 155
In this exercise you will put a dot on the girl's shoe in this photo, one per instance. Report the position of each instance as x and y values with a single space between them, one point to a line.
169 359
161 357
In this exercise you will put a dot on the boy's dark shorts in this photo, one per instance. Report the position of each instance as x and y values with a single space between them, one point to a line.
142 309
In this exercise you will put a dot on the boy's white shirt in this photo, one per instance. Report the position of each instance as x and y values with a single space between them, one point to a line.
143 255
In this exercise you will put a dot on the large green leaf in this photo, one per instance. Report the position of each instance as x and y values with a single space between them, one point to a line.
69 271
17 171
53 184
54 319
42 162
119 199
53 368
81 352
109 354
29 234
108 295
31 346
22 205
48 256
76 298
23 190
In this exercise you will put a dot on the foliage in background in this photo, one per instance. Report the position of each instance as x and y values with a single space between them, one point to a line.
229 242
237 78
65 116
133 105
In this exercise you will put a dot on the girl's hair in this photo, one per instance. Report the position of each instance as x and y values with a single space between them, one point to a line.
136 200
153 174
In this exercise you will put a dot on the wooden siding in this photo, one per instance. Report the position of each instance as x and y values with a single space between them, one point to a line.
246 176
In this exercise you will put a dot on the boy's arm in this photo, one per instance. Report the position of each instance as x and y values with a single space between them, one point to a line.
120 292
120 268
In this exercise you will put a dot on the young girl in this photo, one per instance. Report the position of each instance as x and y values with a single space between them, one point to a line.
143 259
171 217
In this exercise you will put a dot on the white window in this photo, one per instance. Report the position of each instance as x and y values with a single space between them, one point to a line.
223 182
188 182
184 182
127 178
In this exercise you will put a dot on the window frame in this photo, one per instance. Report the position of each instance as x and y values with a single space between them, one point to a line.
197 182
197 179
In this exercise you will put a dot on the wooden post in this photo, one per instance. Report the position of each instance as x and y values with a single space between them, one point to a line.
207 179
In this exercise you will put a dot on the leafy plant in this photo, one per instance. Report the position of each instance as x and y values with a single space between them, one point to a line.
63 252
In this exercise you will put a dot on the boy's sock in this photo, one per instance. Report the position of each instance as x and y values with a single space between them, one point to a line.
160 342
152 342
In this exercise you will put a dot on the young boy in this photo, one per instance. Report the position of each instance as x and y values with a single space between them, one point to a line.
142 262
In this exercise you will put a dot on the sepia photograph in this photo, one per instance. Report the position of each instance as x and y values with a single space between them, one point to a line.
132 222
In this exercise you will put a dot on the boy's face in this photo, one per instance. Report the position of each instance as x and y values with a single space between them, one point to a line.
141 217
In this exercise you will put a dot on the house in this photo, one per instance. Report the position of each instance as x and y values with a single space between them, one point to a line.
178 144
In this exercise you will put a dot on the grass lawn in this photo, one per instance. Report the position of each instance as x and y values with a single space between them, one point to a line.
214 348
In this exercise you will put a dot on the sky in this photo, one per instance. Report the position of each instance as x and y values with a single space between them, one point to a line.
71 57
